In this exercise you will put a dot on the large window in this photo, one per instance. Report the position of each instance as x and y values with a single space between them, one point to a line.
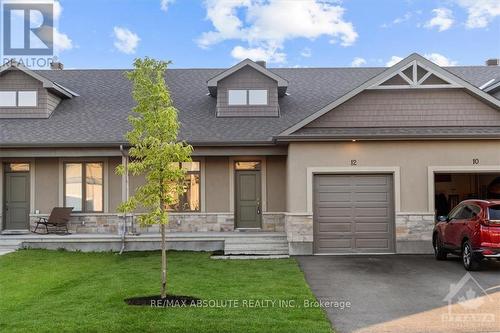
189 201
83 186
247 97
24 98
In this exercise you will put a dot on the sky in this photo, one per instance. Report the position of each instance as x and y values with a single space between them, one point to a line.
285 33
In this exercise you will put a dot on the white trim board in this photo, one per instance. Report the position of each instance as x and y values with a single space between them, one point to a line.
431 170
394 170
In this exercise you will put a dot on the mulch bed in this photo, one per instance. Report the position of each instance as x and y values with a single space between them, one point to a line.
156 301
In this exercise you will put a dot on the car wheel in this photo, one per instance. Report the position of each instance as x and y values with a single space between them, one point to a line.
471 263
439 252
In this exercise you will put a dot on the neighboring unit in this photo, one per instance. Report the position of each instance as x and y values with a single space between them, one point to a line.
340 160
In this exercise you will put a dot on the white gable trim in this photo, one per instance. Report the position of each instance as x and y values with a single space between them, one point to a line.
247 62
414 82
455 82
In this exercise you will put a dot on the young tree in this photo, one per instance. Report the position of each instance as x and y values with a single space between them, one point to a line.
155 150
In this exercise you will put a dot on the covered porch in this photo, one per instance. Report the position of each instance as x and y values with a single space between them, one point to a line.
226 243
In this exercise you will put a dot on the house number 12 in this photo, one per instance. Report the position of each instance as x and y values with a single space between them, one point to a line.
354 162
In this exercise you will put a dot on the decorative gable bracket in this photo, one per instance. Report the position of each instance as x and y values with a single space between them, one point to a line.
415 75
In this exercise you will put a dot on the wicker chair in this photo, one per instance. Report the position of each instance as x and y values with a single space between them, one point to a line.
59 218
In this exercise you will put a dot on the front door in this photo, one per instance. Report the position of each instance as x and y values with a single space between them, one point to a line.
248 205
17 196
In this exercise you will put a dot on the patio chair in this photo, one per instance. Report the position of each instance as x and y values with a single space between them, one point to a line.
59 218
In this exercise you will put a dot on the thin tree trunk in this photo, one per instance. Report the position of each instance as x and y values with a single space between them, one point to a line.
163 263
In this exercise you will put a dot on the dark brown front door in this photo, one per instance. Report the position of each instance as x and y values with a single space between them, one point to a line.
248 206
17 200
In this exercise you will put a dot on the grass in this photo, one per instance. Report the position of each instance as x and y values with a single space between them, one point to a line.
57 291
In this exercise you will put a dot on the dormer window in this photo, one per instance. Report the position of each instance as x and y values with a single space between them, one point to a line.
24 98
27 98
247 89
247 97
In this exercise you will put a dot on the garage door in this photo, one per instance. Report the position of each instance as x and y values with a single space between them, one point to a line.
353 214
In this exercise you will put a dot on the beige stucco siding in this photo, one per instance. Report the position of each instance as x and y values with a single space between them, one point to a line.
417 107
412 158
217 184
276 183
46 184
114 183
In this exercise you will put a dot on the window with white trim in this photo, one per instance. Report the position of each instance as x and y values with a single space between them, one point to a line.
247 97
22 98
83 186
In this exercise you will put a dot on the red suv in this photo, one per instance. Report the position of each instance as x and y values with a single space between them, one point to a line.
472 230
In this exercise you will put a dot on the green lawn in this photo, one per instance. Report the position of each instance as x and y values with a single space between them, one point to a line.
57 291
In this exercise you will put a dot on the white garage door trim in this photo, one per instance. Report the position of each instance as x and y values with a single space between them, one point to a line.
431 170
394 170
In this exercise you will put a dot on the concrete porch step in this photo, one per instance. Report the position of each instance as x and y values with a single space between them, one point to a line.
264 245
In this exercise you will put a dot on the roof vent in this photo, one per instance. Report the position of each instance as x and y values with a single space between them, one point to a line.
261 63
493 62
56 65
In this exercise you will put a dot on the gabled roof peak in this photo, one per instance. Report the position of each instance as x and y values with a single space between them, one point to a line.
404 81
12 64
212 83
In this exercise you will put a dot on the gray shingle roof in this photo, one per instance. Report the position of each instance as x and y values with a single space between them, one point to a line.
99 115
397 132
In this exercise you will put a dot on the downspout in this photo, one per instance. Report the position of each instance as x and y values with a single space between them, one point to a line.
125 194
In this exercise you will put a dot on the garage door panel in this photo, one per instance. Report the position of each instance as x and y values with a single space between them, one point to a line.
335 211
334 197
341 180
334 244
370 197
369 180
375 243
371 211
353 214
371 227
335 227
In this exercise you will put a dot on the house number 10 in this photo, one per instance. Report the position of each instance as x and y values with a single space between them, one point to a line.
475 161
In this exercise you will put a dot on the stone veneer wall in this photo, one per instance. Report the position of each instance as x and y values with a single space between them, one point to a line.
413 233
299 231
179 222
414 226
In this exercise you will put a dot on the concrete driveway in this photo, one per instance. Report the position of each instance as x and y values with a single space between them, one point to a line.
405 293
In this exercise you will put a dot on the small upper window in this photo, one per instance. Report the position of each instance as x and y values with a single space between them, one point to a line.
26 98
7 98
257 97
247 97
237 97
